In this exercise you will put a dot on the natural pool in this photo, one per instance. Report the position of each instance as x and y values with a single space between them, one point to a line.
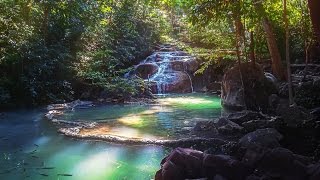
31 148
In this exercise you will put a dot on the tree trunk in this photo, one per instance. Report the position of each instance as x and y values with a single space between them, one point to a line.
274 51
238 28
314 6
45 22
252 55
287 52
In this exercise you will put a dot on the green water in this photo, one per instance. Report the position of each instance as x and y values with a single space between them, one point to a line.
30 147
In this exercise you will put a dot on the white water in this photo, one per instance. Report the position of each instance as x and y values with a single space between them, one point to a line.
166 74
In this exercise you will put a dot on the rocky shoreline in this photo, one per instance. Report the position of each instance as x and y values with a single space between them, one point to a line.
283 143
261 152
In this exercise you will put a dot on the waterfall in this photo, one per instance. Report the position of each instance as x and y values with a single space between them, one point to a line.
171 74
191 85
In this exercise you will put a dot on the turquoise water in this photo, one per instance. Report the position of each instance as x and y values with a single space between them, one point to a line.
31 148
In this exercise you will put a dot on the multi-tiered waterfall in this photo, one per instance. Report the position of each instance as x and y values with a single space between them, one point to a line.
168 70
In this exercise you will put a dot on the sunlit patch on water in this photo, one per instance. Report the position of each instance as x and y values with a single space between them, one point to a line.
97 165
121 131
169 118
192 102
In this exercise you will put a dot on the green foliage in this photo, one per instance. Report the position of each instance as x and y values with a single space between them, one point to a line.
210 24
53 50
50 47
116 44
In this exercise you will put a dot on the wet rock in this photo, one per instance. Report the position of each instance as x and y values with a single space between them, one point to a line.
205 128
245 116
268 138
192 65
228 127
181 164
177 65
257 88
225 166
271 78
273 122
281 163
175 82
71 105
146 70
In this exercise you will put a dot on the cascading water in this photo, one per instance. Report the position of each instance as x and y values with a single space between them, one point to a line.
167 71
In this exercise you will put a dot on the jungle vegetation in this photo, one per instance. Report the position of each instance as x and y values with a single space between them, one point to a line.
55 50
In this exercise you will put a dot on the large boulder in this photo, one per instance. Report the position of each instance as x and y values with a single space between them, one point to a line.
191 164
307 94
205 128
225 166
177 65
252 94
181 164
227 127
173 82
280 163
293 116
146 70
267 138
314 171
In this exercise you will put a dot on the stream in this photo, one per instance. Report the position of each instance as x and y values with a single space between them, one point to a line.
31 148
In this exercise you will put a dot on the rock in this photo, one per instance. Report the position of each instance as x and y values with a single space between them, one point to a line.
274 100
268 138
253 177
71 105
281 163
314 171
177 65
219 177
227 127
245 116
173 82
283 90
293 116
316 113
274 122
214 87
225 166
253 155
307 94
257 88
146 70
181 164
169 171
271 78
192 65
205 128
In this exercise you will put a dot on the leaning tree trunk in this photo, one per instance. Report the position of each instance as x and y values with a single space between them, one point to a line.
314 6
274 51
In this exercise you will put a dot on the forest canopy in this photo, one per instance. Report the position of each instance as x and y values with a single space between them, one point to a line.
55 50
